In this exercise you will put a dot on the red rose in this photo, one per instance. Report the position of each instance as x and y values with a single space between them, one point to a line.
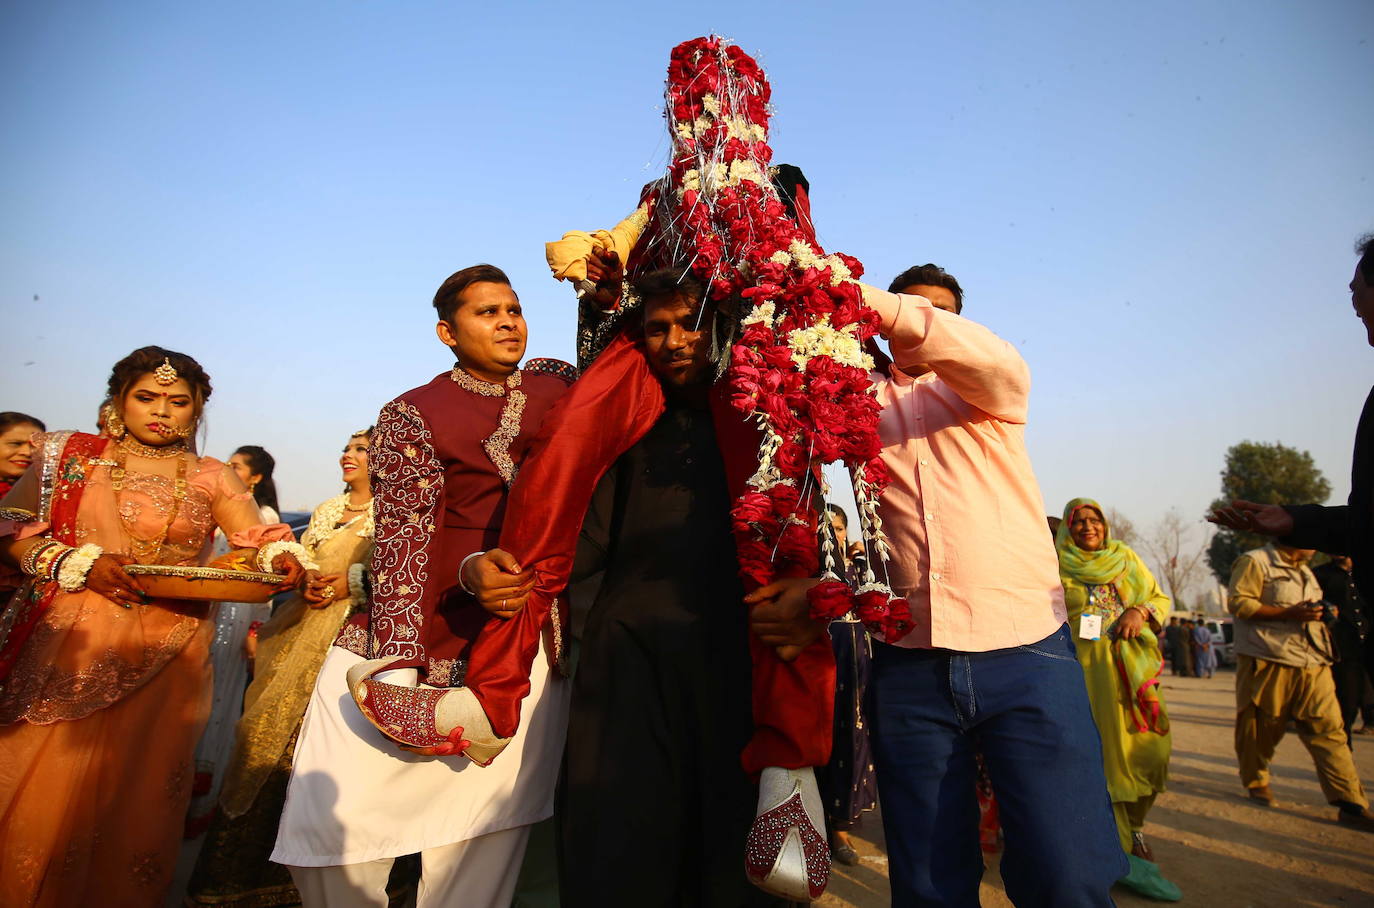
741 355
828 414
785 498
752 507
797 543
822 385
899 621
875 471
861 446
829 599
755 335
774 406
828 446
744 403
771 272
855 266
762 291
778 357
871 607
792 460
755 559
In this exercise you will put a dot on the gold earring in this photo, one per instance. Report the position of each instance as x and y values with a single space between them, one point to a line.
114 425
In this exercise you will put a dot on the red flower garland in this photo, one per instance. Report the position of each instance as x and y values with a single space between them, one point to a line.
798 366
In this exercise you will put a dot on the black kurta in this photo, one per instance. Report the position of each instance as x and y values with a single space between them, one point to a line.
654 805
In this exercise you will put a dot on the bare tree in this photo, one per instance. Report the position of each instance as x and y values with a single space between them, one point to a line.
1121 527
1179 553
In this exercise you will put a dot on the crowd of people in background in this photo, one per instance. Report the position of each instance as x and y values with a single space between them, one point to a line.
216 751
1190 647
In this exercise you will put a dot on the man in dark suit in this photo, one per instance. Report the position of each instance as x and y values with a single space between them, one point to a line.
1349 631
1346 529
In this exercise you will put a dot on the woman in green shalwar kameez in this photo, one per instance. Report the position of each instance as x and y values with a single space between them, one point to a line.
1104 579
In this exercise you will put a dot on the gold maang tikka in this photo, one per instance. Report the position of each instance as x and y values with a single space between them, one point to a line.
166 373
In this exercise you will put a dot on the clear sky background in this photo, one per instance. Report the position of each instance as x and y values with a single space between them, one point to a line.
1155 202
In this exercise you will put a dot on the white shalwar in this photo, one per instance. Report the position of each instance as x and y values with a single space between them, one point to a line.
356 797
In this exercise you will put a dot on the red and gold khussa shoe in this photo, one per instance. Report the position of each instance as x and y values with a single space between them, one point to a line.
786 853
443 720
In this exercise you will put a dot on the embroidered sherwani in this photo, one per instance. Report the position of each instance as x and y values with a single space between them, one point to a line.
441 458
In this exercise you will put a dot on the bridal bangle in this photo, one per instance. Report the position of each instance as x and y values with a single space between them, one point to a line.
268 553
462 566
39 559
52 560
76 565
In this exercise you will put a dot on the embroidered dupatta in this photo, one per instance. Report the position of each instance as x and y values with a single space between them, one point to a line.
63 484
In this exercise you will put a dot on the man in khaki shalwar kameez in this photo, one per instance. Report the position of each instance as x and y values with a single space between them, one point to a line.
1283 658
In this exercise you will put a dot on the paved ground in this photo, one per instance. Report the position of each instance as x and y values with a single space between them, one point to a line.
1220 848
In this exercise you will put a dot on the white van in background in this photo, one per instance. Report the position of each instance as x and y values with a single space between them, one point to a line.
1223 639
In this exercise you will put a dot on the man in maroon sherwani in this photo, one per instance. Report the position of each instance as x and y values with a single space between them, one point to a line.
442 457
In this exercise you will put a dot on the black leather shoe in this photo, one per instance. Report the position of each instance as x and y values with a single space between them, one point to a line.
1363 821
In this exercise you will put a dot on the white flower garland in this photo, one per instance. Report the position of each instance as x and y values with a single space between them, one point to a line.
762 314
271 550
870 524
356 591
76 566
767 475
803 257
324 522
822 340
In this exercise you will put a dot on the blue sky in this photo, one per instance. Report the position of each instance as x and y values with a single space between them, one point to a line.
1155 202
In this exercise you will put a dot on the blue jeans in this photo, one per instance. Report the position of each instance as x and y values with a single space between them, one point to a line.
1026 710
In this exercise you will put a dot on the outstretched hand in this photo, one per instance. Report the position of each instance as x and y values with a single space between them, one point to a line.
1250 517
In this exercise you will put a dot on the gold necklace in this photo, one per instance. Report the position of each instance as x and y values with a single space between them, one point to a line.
131 445
144 551
362 507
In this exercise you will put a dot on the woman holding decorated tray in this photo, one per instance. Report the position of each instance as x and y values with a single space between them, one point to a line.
234 868
103 687
1116 610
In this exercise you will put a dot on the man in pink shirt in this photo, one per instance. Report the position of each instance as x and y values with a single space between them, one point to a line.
990 667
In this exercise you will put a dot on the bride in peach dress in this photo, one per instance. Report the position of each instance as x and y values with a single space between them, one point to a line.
104 689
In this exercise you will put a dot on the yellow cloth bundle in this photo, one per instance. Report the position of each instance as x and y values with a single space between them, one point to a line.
567 257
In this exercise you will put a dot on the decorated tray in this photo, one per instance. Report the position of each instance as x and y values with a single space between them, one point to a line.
172 581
